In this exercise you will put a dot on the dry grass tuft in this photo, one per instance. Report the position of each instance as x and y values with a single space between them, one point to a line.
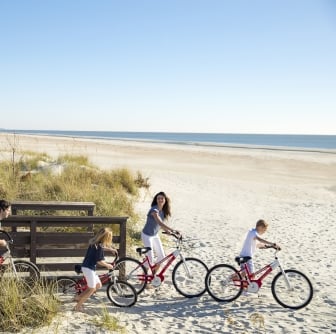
258 320
19 310
108 322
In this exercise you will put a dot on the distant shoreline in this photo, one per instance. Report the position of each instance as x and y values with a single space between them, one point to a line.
176 142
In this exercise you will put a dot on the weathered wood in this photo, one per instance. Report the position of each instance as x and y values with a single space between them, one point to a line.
34 240
47 206
52 205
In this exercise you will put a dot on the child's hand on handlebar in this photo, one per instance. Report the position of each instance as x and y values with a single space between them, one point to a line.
109 266
275 246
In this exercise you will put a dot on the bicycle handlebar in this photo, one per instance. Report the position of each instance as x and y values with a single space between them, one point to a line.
116 256
175 234
9 240
274 246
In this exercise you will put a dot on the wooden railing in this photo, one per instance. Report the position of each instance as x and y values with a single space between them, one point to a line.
18 206
56 252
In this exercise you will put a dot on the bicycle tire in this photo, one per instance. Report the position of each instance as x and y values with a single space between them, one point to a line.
188 277
27 271
131 271
121 294
65 289
298 296
223 283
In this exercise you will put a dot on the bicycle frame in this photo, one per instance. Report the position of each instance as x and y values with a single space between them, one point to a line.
253 281
81 283
156 278
168 260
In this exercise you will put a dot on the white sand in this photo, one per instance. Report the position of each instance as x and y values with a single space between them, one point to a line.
217 195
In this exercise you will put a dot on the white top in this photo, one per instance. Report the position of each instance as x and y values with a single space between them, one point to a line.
250 243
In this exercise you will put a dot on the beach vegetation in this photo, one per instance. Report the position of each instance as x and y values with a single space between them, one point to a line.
20 310
258 321
108 322
38 177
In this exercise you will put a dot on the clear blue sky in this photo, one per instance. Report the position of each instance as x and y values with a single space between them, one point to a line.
264 66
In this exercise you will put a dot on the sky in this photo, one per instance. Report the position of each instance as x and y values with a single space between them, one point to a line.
238 66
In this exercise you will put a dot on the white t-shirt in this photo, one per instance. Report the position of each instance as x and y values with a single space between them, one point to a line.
250 243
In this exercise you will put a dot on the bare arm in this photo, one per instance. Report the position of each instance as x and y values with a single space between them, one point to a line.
159 221
111 250
265 242
103 263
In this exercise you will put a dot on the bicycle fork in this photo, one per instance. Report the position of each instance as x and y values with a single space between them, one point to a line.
116 286
186 268
277 263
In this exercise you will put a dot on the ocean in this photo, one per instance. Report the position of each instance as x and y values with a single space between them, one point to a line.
271 141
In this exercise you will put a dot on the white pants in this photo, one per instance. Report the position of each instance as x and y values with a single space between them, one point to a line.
155 244
92 279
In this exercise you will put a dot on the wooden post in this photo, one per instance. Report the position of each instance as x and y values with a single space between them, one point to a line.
122 246
33 239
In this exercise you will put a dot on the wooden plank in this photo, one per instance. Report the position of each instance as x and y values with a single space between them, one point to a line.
64 252
79 251
57 268
60 252
54 267
52 205
56 238
24 221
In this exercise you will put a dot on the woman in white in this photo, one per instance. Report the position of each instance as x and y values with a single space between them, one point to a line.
158 213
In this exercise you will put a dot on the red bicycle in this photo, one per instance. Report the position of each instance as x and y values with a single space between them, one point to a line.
188 274
119 292
290 288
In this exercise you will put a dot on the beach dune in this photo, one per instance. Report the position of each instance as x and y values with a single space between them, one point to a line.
217 194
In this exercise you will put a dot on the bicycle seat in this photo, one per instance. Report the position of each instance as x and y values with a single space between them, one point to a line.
143 250
78 268
242 259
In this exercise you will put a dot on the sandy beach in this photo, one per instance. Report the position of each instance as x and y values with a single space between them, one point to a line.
217 194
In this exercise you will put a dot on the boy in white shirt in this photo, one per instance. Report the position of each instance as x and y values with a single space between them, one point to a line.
253 240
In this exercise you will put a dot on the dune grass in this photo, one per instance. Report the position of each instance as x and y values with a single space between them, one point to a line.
108 322
37 177
19 310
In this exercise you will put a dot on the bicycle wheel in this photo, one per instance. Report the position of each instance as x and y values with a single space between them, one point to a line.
223 283
65 289
121 294
188 277
131 271
292 290
27 271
